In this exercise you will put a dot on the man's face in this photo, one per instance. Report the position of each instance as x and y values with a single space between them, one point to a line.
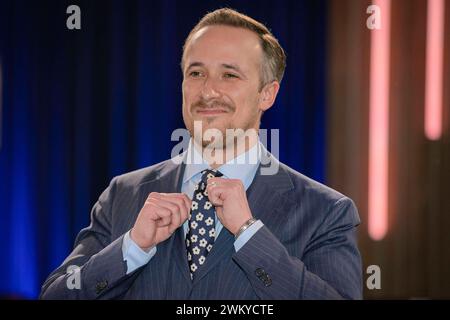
221 80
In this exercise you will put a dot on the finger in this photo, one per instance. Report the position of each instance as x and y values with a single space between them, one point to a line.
178 200
152 195
162 223
181 196
161 215
169 201
187 201
217 180
155 209
166 203
186 204
215 195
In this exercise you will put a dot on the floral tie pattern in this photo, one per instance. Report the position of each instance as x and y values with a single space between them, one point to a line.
201 232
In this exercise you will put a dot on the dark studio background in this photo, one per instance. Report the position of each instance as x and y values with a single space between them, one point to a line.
82 106
78 107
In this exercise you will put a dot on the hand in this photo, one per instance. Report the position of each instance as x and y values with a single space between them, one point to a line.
160 216
230 200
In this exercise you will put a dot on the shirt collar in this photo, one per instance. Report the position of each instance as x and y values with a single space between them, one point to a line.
242 167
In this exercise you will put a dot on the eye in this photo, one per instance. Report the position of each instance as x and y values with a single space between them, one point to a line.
230 75
195 74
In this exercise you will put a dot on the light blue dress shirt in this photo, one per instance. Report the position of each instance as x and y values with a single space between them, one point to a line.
243 167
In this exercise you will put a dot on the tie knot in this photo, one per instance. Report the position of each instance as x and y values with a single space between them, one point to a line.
208 173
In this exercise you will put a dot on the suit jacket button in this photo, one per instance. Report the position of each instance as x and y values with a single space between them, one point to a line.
264 277
267 281
260 272
101 285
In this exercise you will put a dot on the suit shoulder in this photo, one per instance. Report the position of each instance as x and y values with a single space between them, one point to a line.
143 175
320 200
305 186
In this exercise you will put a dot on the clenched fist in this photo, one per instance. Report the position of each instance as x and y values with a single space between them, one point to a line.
160 216
230 200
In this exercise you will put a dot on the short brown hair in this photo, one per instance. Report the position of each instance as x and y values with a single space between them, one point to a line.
274 57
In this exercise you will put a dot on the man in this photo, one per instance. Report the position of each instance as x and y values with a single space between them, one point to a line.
218 229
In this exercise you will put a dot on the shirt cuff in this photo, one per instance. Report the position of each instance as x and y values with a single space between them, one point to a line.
247 234
134 255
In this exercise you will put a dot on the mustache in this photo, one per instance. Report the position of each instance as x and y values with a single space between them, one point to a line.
202 104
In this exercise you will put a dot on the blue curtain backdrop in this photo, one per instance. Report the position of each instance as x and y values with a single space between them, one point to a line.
79 107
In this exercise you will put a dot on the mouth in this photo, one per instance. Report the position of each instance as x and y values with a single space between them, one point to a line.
210 111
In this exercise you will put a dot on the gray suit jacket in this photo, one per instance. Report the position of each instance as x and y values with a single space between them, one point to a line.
305 250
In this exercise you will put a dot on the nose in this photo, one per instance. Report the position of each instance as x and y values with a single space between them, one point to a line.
209 89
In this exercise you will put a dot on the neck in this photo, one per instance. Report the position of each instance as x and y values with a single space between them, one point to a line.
217 156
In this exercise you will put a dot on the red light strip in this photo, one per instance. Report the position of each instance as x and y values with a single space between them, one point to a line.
434 69
379 124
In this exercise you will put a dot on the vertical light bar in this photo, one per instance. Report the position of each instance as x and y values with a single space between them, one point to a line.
434 69
379 124
1 103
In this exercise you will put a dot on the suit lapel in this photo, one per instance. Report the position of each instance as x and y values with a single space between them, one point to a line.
266 199
268 194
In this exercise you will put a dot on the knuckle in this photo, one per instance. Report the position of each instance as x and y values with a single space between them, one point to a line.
172 207
237 184
149 206
164 212
179 202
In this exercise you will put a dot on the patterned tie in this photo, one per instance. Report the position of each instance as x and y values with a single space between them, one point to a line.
200 237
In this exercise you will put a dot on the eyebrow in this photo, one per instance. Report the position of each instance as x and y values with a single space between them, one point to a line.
224 65
232 67
195 64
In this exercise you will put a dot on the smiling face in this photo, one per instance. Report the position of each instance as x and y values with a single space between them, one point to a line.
222 78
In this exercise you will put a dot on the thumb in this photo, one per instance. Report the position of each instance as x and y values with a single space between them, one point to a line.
215 199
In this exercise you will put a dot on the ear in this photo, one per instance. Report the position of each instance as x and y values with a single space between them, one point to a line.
268 94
